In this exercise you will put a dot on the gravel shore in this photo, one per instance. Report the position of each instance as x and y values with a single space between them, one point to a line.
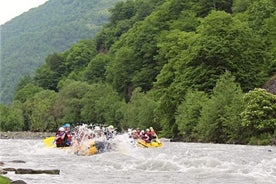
25 135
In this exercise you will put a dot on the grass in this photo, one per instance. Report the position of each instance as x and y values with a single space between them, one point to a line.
4 180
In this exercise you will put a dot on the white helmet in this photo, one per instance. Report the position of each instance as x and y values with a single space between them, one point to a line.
97 128
61 129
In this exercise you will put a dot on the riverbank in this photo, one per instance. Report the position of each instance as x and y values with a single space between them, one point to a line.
25 135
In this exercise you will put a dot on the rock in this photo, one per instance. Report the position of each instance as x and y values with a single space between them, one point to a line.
270 86
18 161
31 171
272 141
9 169
18 182
1 163
2 171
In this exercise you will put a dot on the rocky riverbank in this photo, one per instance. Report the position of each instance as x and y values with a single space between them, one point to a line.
25 135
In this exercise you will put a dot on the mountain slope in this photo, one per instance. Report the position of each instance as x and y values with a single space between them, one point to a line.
27 39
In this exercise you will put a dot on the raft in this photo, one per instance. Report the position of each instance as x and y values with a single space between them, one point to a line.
153 144
86 149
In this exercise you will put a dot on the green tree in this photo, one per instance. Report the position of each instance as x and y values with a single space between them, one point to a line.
49 74
225 44
79 55
69 101
139 112
188 114
11 117
120 70
27 92
206 6
220 116
101 105
258 12
96 69
259 115
38 111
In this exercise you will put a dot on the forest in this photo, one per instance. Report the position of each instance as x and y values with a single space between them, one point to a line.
53 27
192 69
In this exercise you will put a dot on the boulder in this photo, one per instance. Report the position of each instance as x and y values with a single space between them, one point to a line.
2 171
18 182
9 169
32 171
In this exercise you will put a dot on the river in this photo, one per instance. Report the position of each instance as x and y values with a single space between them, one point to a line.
174 163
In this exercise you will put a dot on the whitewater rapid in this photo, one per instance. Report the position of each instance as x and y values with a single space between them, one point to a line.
174 163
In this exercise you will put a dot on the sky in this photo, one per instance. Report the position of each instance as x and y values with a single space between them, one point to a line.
12 8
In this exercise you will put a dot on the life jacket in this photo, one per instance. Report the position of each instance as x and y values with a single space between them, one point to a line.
145 137
59 139
63 141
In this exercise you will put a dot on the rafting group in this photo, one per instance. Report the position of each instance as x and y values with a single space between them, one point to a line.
144 138
82 139
88 140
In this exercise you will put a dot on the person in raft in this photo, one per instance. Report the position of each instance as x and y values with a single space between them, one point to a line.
64 136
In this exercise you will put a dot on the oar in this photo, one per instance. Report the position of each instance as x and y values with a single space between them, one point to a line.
49 141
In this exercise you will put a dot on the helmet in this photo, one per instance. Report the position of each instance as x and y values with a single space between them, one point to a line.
66 125
97 128
147 130
151 128
111 126
61 129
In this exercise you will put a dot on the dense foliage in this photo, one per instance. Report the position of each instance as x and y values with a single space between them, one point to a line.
27 39
191 69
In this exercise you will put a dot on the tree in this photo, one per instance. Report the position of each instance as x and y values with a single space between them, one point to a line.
139 112
119 72
101 105
69 100
259 115
220 120
27 92
225 44
11 117
96 69
188 114
206 6
79 55
38 111
49 74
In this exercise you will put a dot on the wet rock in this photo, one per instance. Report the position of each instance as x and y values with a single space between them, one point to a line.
18 182
32 171
2 171
18 161
9 169
1 163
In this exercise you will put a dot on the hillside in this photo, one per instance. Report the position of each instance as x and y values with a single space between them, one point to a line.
193 70
52 27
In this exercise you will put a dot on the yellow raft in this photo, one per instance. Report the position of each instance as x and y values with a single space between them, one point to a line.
153 144
89 149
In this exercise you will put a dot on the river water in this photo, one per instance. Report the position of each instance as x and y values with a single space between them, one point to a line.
174 163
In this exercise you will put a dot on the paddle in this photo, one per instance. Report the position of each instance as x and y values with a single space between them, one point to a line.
49 142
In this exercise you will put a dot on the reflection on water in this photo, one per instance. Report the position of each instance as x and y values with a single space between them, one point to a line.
172 163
